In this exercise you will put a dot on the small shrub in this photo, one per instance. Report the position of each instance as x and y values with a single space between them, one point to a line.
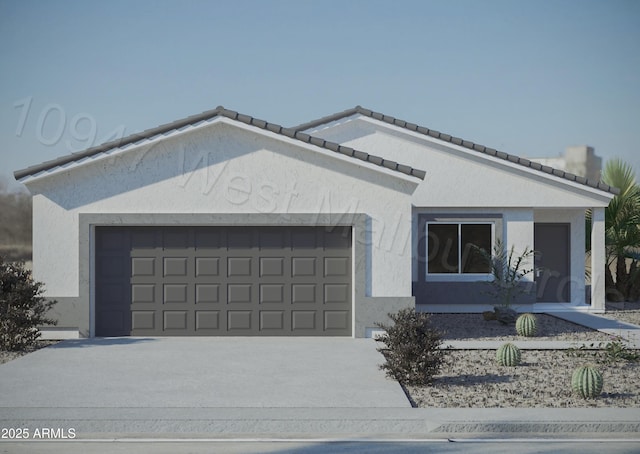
612 352
587 382
22 307
413 354
508 355
527 325
616 351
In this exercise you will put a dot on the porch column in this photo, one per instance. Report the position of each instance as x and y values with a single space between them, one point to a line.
598 262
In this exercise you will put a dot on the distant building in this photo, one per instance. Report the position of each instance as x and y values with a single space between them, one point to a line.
580 160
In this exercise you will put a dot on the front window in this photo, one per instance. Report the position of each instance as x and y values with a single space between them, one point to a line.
452 248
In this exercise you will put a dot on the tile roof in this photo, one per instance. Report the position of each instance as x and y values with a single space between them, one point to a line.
456 141
208 115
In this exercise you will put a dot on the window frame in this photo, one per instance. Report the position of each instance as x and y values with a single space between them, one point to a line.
458 276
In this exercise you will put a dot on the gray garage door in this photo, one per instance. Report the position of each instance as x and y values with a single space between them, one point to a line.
217 281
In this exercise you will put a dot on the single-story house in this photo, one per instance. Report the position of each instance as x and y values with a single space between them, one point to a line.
223 224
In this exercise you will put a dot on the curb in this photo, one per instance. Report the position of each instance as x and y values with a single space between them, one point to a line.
335 423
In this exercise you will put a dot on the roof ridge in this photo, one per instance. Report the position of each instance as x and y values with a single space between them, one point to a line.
460 142
210 114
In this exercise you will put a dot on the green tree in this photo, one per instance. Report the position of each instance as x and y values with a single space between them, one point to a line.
622 233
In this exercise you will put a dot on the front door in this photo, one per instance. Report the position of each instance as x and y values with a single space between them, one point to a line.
552 262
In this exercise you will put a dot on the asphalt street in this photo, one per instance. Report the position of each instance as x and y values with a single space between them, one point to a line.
319 446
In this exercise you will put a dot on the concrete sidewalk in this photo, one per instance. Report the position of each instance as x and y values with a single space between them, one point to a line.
627 331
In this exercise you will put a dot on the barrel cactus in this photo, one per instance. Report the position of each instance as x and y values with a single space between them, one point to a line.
508 355
527 325
586 381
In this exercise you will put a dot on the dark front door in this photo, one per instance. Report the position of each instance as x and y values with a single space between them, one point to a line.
552 262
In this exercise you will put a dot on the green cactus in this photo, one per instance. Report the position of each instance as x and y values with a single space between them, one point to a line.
527 325
586 381
508 355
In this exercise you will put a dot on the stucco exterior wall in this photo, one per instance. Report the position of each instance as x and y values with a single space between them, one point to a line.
226 169
458 177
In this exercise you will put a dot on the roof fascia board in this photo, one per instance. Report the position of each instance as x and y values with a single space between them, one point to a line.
495 160
118 150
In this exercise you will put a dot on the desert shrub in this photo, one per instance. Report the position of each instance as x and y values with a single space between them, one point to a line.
22 307
412 348
610 353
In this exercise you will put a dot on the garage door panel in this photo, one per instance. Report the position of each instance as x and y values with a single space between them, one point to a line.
336 294
336 266
303 266
143 320
175 320
238 266
303 293
114 293
143 238
272 266
271 239
111 323
240 238
223 281
175 293
239 320
271 293
336 320
175 238
112 240
207 293
239 293
337 238
175 266
304 238
143 266
110 267
207 266
206 238
143 293
207 320
272 320
303 320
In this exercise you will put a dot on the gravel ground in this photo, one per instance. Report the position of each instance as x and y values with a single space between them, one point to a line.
474 327
625 312
472 379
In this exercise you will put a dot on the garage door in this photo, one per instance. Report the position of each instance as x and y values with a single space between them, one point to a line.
217 281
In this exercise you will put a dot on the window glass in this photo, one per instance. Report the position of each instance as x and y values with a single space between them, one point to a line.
443 248
453 248
474 236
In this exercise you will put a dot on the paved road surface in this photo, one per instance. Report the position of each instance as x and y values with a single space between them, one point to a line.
317 447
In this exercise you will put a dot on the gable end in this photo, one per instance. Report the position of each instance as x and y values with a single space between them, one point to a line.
456 141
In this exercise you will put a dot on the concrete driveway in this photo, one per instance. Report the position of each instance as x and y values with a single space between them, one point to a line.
205 372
